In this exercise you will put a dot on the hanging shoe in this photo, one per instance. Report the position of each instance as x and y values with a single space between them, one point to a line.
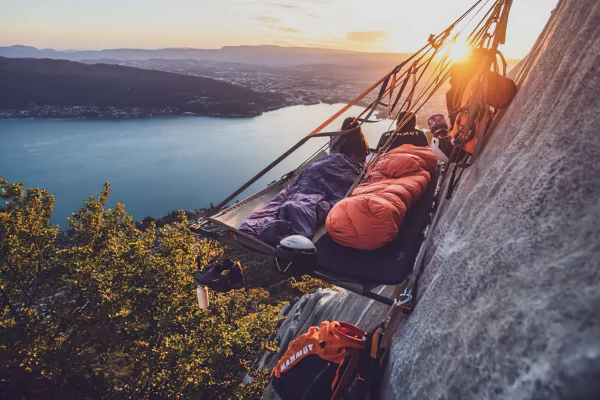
221 277
236 275
212 276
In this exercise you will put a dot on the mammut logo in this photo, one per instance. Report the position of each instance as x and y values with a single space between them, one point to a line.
409 133
305 350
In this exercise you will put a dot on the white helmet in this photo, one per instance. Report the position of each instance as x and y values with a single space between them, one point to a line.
435 146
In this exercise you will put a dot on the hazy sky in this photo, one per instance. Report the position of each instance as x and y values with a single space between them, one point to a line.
366 25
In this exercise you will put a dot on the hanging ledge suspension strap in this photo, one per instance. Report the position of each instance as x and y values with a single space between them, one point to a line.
314 133
386 78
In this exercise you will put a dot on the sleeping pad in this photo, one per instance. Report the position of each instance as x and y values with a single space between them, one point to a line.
371 217
303 205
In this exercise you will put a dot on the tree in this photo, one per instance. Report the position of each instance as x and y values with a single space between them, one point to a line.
108 311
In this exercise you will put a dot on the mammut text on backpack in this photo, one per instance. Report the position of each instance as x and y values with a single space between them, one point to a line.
287 362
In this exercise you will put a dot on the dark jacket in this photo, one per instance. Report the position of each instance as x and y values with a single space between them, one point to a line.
415 137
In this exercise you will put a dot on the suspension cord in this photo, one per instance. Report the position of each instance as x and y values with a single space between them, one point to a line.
434 43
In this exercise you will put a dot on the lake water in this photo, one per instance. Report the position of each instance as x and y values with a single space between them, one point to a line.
157 165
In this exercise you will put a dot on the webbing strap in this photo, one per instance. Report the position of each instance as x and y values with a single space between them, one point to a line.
348 106
434 43
336 133
295 147
392 86
480 139
341 383
368 121
404 83
409 99
382 91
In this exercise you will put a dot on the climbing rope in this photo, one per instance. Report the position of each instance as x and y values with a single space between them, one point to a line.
399 77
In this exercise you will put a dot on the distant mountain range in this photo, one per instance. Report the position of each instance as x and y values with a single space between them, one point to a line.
26 81
258 55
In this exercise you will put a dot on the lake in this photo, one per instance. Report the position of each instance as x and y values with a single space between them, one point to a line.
157 165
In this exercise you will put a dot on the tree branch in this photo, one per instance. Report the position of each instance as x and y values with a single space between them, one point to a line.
7 303
18 281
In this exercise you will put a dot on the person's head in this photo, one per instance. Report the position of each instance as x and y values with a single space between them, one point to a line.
408 120
349 123
353 144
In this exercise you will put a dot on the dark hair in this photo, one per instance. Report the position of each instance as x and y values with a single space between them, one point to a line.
349 123
352 144
410 118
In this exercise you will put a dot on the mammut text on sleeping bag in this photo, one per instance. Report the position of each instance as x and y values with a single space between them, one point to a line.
301 207
371 217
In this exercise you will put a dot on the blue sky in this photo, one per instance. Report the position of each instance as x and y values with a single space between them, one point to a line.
365 25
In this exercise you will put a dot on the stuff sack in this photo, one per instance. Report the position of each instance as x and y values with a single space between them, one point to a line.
498 90
324 363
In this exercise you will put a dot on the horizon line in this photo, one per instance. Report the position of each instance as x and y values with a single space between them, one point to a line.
224 47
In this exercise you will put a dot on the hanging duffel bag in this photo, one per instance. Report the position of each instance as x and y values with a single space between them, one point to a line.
331 361
498 90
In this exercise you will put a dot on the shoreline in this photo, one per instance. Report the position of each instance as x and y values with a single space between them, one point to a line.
133 117
124 117
139 112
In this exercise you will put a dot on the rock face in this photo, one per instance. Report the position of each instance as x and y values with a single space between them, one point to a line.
509 302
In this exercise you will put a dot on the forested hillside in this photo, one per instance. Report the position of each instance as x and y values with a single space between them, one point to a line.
67 83
106 310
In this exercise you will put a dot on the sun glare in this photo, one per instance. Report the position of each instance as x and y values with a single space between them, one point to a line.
459 51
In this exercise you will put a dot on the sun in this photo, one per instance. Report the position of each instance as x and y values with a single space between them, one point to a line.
459 51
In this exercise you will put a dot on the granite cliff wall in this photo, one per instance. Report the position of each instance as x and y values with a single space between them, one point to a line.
509 303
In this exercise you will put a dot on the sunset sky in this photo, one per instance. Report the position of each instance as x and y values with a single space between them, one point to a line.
370 25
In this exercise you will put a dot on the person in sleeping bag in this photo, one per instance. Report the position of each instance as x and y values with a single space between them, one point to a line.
407 132
353 144
302 207
371 217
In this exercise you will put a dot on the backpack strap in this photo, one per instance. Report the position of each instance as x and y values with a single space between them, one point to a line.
339 384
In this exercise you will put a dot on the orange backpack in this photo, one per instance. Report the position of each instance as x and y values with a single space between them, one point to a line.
323 363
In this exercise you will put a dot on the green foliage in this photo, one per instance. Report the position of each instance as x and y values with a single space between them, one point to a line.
109 311
307 284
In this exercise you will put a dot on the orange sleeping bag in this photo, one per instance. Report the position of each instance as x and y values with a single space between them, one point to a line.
371 217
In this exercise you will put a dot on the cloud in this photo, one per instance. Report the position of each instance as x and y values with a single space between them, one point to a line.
366 37
275 24
282 5
308 11
268 20
283 28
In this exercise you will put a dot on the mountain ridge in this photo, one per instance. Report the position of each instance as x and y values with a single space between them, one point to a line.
270 55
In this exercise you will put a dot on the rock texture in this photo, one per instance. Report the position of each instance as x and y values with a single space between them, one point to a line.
509 302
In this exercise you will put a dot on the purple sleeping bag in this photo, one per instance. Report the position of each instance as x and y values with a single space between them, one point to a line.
302 206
